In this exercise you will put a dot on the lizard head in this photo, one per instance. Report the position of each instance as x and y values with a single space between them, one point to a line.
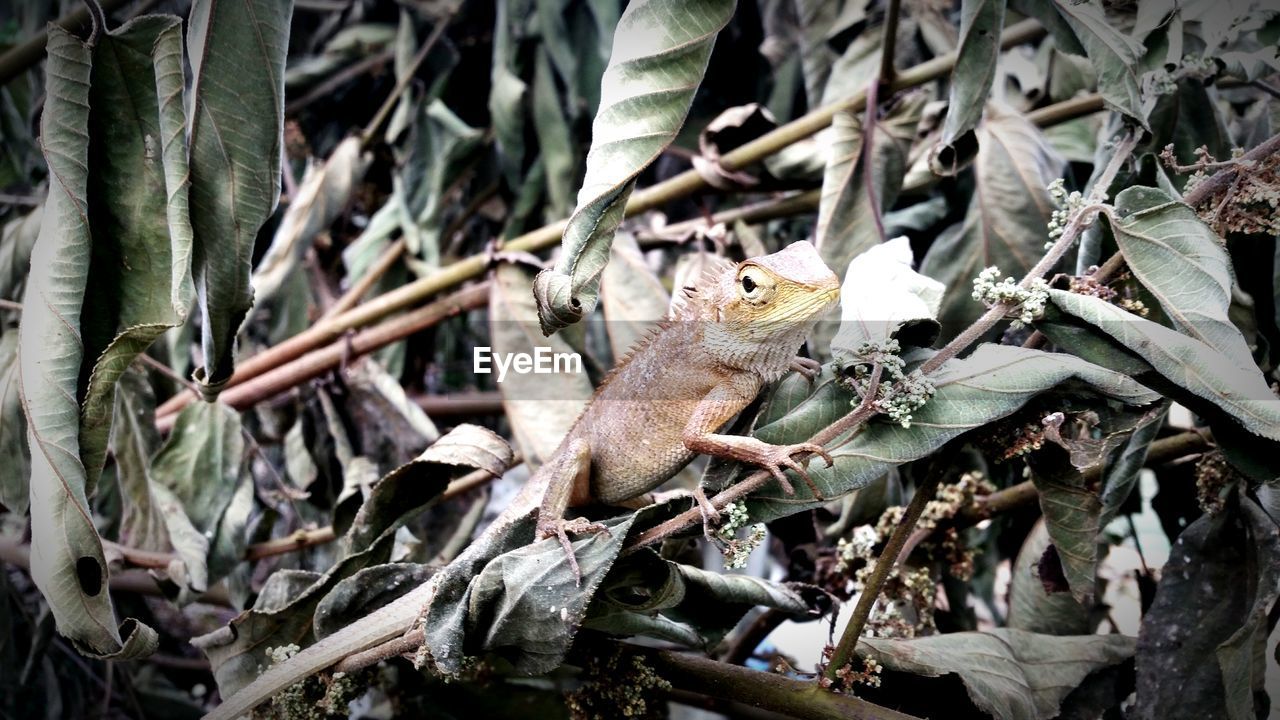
789 289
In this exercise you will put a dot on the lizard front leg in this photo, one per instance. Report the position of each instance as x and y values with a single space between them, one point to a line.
721 404
570 468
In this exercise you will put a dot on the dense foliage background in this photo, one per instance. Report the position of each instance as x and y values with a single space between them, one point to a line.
249 249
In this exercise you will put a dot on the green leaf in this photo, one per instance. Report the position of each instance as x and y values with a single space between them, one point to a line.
200 468
507 90
16 240
285 608
441 144
1068 498
1184 361
1114 56
237 119
555 136
1006 222
1201 648
980 24
1033 609
1007 673
855 195
660 52
692 606
13 430
994 381
137 211
1184 264
124 225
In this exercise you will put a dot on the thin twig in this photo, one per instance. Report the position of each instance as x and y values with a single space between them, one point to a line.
339 79
375 125
885 564
314 364
888 43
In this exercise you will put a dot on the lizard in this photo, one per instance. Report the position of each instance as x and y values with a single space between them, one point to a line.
735 331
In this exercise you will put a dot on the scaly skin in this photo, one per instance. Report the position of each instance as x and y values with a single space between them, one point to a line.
729 337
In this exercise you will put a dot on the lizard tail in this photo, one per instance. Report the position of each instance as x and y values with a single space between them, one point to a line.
374 629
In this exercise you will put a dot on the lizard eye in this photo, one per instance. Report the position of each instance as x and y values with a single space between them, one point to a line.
752 285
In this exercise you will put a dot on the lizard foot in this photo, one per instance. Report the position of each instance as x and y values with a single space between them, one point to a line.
808 367
778 458
560 528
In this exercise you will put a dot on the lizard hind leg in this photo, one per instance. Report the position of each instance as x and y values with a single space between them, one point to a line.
570 468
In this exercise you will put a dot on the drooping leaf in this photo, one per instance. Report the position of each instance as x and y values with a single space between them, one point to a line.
1031 607
555 137
1184 264
1070 499
989 384
123 225
980 24
201 467
862 180
237 119
16 240
540 408
284 611
506 89
1006 222
389 427
1201 648
660 52
323 193
13 430
1007 673
1190 364
140 266
1114 55
440 143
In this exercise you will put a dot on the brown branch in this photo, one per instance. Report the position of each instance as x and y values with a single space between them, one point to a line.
471 403
888 42
1024 493
795 698
315 364
136 582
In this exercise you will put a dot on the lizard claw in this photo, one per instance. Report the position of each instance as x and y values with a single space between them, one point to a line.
779 457
710 516
560 528
808 367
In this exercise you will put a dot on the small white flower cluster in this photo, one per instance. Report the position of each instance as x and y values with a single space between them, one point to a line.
1067 203
737 551
861 546
900 393
987 289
